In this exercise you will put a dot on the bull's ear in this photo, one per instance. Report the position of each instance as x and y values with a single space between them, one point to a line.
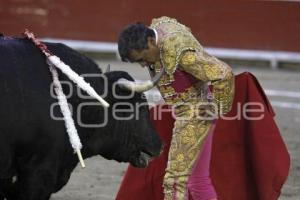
114 76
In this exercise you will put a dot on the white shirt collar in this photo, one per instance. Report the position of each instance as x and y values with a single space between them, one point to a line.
156 35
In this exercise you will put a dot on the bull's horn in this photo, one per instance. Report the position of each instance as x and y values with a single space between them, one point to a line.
141 87
107 68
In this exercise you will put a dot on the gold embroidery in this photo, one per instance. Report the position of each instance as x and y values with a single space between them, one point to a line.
223 91
173 46
180 157
172 98
192 153
185 139
190 135
158 21
214 71
167 89
166 78
188 59
177 39
191 63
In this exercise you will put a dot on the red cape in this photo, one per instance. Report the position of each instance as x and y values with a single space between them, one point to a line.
249 158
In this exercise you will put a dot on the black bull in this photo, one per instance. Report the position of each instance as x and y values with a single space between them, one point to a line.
36 157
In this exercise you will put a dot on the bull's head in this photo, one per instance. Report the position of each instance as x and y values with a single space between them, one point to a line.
129 135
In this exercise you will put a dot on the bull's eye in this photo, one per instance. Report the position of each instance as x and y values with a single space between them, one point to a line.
143 96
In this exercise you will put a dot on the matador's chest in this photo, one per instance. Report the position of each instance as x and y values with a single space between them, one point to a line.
181 87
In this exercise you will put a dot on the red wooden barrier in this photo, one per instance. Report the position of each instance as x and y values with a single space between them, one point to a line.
269 25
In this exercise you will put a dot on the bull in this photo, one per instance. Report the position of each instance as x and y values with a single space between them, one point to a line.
36 158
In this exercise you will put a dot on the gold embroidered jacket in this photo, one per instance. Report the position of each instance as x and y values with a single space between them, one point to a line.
189 71
179 49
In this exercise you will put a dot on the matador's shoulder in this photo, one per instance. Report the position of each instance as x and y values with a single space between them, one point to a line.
173 46
168 24
164 19
176 39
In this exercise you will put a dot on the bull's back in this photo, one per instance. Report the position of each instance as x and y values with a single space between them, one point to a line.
25 81
24 84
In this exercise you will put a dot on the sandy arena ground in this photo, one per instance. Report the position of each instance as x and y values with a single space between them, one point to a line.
101 178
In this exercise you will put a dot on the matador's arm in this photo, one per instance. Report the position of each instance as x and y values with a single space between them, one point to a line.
207 68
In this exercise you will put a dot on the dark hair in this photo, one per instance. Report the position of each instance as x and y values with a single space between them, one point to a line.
133 37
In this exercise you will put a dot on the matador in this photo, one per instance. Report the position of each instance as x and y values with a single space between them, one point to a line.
196 85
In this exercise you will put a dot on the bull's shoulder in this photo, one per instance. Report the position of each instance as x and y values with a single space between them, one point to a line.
77 61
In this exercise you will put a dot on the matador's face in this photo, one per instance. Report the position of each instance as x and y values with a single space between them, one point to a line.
146 57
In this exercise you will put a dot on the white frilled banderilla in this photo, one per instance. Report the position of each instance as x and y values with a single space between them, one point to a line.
54 62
